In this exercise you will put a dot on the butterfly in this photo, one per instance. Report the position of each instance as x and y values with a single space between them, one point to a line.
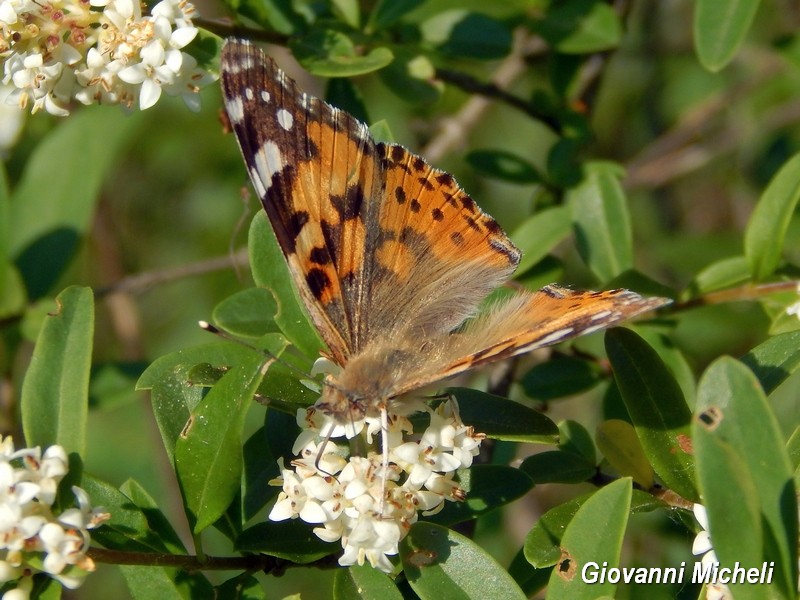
391 258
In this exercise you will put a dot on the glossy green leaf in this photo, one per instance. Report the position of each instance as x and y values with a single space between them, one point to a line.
364 583
618 442
561 377
673 358
292 540
766 230
720 27
331 53
580 26
387 12
464 34
440 563
601 220
539 234
344 94
556 466
260 467
774 360
742 447
281 15
606 510
55 392
127 529
504 419
793 448
270 271
657 408
543 543
249 313
488 487
157 522
174 394
528 578
46 221
208 452
504 165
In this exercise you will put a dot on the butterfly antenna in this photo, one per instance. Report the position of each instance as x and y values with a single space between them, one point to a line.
206 326
385 454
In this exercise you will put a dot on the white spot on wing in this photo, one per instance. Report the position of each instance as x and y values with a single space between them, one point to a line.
285 119
592 328
235 108
600 315
265 95
268 161
557 335
248 93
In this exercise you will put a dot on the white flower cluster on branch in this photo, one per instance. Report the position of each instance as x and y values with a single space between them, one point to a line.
368 505
28 526
56 52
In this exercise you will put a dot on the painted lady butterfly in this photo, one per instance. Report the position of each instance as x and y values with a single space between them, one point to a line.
390 256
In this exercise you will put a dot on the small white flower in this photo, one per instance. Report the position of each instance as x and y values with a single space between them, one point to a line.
368 505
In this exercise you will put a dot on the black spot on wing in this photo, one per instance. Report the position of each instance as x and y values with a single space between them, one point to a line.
437 214
400 194
318 281
320 256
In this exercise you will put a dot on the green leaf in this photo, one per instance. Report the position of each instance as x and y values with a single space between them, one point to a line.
208 453
543 543
440 563
55 392
412 77
556 466
260 467
725 273
601 220
539 234
364 583
720 27
740 451
504 165
249 313
503 419
241 587
146 583
292 540
488 487
576 439
344 94
270 271
580 26
464 34
561 377
348 11
47 221
657 408
774 360
157 522
127 529
607 511
175 394
528 577
766 230
387 12
331 53
618 442
280 15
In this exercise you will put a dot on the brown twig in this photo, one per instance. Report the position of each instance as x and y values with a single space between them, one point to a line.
143 281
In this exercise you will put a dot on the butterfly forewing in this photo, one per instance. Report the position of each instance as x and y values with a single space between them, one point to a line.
391 257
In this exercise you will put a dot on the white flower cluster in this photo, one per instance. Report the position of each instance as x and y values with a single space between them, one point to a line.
28 527
97 51
367 504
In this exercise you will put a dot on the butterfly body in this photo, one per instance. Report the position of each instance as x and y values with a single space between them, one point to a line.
391 258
